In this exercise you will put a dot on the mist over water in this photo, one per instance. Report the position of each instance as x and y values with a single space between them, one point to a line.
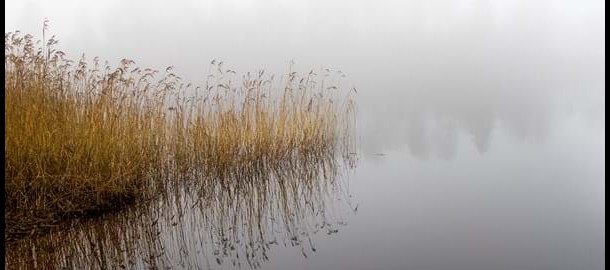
481 126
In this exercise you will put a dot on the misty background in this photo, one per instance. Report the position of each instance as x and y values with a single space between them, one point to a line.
436 67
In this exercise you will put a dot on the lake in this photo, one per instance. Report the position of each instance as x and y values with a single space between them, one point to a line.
479 141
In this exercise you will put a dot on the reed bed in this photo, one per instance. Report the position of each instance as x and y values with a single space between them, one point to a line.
82 137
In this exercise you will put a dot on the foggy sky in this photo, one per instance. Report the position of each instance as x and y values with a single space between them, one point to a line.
429 69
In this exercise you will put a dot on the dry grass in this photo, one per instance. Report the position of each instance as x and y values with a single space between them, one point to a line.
82 137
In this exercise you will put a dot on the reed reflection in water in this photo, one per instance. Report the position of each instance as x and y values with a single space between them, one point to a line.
205 221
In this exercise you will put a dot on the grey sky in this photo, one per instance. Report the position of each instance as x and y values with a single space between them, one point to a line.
465 64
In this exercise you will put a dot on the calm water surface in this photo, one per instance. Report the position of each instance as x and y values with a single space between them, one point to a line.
480 135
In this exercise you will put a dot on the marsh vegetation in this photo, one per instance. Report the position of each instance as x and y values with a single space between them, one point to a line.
83 138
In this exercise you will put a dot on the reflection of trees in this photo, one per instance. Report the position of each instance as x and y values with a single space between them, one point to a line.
433 127
468 69
234 219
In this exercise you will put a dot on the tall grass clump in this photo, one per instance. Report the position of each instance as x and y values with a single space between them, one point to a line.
83 137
